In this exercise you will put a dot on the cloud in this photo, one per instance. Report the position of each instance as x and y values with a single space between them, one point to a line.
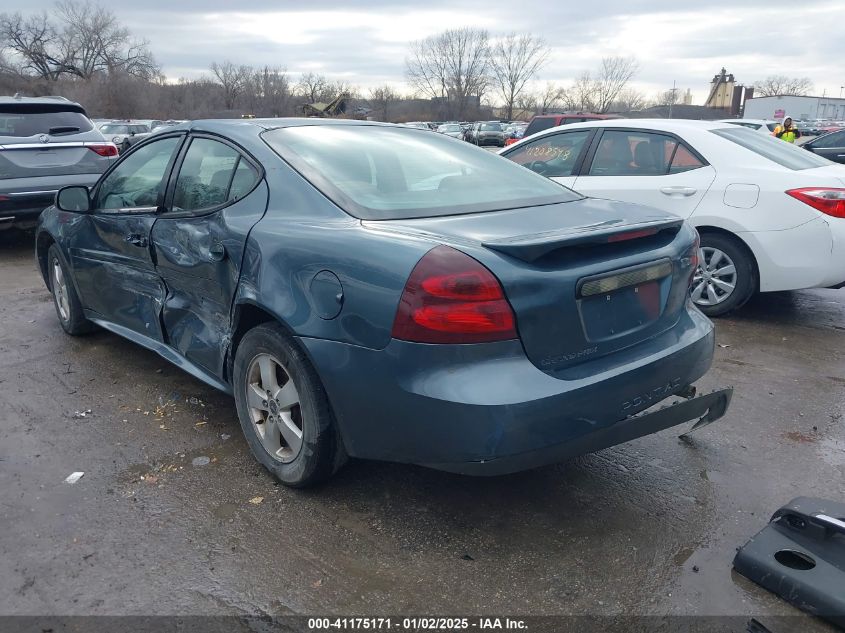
365 42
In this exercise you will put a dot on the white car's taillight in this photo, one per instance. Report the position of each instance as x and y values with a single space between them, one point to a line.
828 200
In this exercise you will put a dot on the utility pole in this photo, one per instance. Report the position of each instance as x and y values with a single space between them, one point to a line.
840 91
672 100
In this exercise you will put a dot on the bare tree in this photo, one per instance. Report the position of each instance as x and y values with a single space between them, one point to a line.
452 66
234 80
268 92
380 100
35 42
83 40
612 78
313 87
628 100
583 93
514 61
782 85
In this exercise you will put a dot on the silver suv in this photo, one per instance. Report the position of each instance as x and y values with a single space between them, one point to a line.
46 143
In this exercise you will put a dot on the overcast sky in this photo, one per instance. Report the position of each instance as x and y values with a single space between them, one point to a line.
365 41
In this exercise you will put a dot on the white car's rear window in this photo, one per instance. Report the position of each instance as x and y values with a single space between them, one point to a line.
778 151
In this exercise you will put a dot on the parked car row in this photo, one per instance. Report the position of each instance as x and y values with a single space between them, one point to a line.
569 303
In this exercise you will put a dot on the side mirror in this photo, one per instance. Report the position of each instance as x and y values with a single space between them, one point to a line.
74 198
132 133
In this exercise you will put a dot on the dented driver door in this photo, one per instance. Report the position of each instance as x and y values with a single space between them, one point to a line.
109 247
215 197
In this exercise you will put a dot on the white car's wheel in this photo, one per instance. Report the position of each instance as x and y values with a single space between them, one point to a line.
725 278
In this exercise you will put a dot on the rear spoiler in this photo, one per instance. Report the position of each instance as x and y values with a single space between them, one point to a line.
532 247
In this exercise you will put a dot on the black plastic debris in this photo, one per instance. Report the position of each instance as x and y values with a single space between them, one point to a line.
800 556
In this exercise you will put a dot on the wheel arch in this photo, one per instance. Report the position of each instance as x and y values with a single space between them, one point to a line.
43 242
246 315
716 230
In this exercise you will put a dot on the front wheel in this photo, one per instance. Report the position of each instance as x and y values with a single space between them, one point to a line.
725 278
68 307
283 408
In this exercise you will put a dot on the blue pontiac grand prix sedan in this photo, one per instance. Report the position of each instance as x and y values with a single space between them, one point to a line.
382 292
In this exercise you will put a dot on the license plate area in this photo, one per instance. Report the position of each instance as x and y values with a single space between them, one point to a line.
618 303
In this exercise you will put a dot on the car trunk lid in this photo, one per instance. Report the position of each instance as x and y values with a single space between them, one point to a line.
585 278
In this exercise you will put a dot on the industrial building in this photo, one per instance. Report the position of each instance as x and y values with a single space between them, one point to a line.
799 108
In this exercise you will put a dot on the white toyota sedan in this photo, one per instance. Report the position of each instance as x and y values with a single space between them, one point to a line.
771 215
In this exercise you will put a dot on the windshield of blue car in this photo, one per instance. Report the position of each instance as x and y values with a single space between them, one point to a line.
385 173
778 151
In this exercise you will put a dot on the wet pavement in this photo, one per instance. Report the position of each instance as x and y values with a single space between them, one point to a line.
649 527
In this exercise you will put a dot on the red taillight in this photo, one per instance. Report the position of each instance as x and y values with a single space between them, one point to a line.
631 235
103 149
452 298
828 200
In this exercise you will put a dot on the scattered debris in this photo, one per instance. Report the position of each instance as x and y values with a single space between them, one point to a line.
224 436
74 477
200 423
81 414
467 557
202 460
723 346
256 500
317 583
695 568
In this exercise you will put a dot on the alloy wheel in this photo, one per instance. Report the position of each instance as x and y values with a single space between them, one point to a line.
60 291
715 278
274 408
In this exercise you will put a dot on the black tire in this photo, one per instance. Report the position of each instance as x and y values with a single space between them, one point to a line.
746 273
321 453
65 298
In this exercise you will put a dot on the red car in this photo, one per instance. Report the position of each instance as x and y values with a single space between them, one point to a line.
542 122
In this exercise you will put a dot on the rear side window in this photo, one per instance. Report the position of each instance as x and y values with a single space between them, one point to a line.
243 181
684 160
538 124
632 154
784 154
205 175
553 155
21 123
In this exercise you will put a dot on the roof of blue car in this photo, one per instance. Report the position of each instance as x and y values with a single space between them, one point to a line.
268 124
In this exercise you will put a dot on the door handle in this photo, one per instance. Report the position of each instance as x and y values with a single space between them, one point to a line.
136 239
217 252
678 191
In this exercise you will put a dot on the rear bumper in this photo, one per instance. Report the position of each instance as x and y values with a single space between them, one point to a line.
486 409
22 200
811 255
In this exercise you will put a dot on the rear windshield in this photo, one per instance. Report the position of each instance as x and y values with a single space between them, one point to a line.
778 151
114 129
491 127
21 123
538 124
386 173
